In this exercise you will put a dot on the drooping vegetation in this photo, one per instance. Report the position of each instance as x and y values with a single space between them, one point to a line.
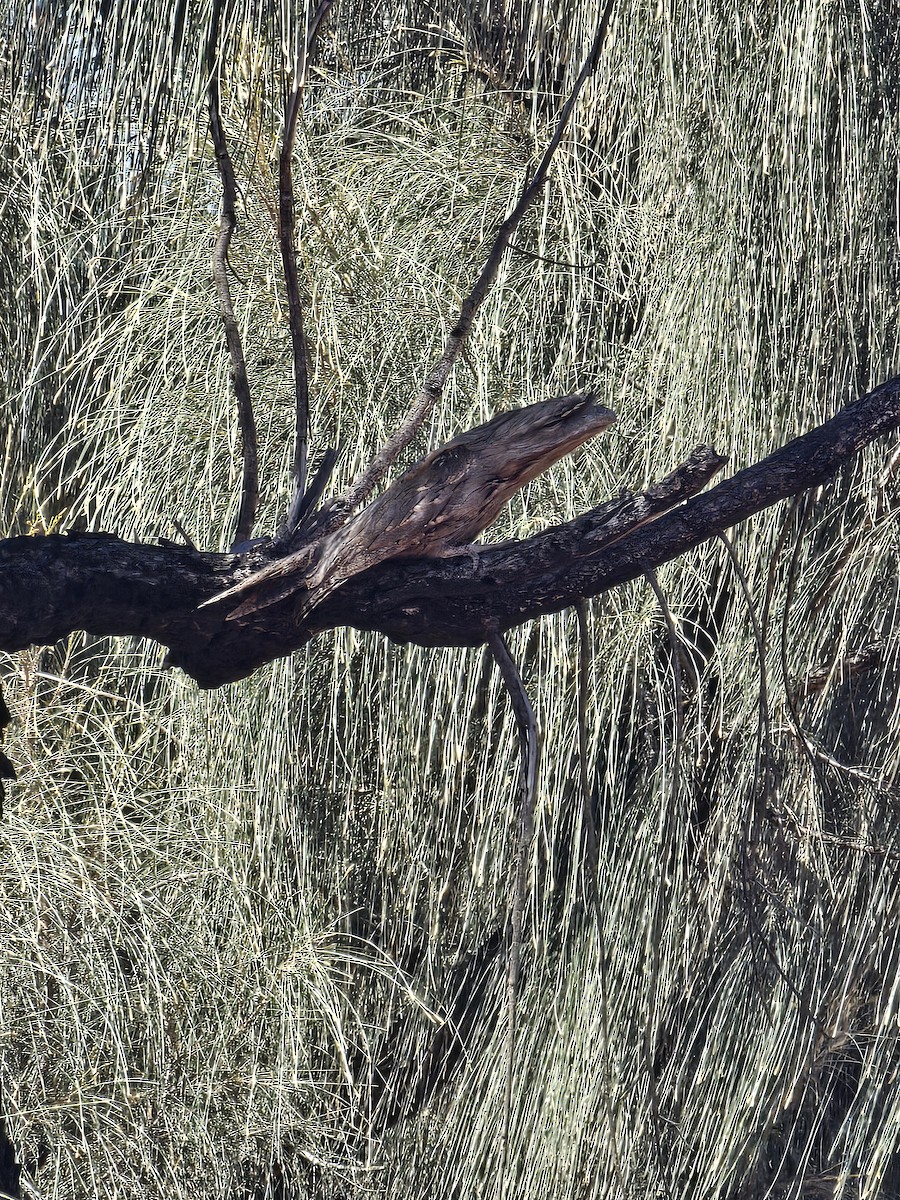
253 940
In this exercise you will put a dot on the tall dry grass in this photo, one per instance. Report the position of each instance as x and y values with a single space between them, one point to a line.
253 940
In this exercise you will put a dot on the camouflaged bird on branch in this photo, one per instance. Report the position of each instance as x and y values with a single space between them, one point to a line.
435 509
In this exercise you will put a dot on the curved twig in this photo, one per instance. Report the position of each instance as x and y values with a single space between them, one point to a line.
556 262
227 225
529 750
286 244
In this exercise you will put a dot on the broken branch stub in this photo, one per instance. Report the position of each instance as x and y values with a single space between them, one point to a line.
437 507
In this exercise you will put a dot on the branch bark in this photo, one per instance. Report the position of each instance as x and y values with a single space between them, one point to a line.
289 265
50 586
227 225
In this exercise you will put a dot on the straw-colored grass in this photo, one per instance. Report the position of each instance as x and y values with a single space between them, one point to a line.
239 928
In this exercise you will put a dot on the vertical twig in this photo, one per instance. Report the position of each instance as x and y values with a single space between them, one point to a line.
649 1030
227 225
529 750
289 262
433 384
593 876
305 502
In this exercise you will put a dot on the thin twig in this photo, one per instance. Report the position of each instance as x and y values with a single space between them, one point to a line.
227 225
656 932
433 384
304 502
556 262
592 874
289 256
529 749
183 534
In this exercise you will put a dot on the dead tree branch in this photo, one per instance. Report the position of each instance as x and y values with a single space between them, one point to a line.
50 586
227 225
286 242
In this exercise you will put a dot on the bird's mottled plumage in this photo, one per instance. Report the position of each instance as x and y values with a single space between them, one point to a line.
437 507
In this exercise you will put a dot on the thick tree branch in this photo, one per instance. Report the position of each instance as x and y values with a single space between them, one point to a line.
50 586
227 225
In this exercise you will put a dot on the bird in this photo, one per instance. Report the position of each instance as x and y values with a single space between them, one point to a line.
436 508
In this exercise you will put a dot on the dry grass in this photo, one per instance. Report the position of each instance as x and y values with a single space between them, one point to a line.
237 926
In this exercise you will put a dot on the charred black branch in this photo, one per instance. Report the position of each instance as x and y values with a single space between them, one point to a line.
50 586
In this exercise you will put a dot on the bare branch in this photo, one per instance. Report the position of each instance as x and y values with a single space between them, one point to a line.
529 752
227 225
52 585
433 385
286 243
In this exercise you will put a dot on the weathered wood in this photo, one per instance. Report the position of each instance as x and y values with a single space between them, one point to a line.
50 586
436 507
